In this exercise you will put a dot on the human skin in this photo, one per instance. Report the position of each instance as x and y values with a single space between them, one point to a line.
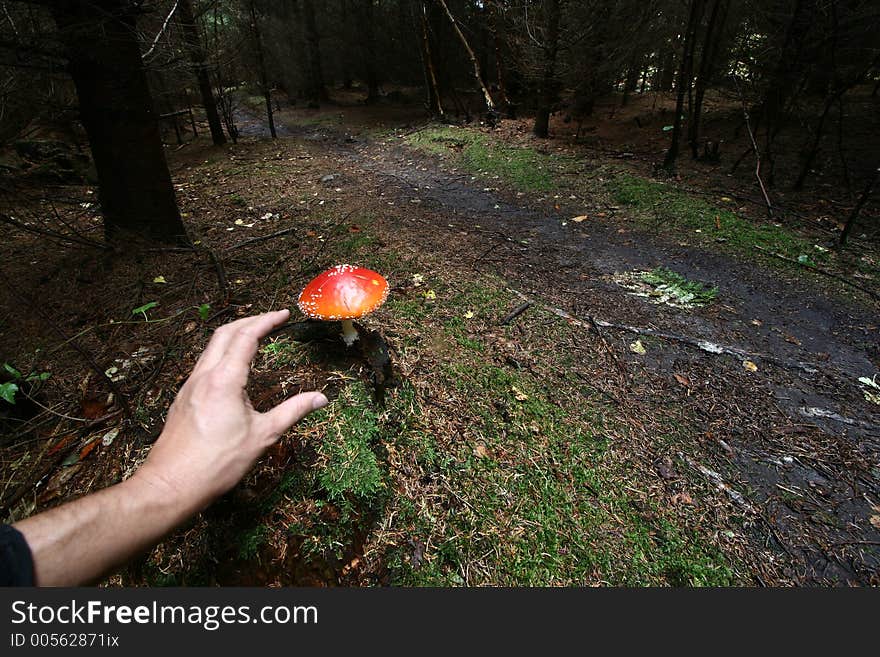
211 439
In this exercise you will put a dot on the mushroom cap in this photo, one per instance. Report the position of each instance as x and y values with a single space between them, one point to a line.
343 292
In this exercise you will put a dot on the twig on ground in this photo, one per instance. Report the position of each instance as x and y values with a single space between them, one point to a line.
221 274
516 312
123 400
262 238
819 270
61 237
709 347
718 480
755 147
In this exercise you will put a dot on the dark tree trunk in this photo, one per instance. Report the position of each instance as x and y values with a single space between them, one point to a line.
317 90
116 109
782 86
346 56
666 71
863 198
809 154
714 29
435 102
368 43
631 82
547 93
197 57
685 77
498 46
261 65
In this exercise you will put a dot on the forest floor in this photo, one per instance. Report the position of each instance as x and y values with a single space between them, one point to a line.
615 431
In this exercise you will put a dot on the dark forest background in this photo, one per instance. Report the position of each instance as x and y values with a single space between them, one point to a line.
800 77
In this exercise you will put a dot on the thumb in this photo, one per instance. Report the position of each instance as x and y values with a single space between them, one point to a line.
291 411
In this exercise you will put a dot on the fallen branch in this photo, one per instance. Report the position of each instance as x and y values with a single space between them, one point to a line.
819 270
755 147
516 312
101 372
221 274
262 238
814 411
82 241
709 347
719 482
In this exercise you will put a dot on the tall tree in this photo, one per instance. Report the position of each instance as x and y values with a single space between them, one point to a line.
197 57
316 89
434 100
684 80
368 46
550 47
116 109
261 66
711 45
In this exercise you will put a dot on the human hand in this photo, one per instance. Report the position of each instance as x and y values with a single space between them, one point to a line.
213 435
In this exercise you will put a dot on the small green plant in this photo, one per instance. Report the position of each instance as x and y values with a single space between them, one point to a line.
9 389
251 541
143 309
204 311
667 282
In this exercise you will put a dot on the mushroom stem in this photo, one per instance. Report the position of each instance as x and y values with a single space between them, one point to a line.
349 333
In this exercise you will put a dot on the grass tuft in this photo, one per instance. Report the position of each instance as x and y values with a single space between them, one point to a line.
524 168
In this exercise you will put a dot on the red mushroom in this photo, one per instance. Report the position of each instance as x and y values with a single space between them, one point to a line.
344 293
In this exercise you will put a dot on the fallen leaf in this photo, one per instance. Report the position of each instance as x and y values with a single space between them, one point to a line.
239 222
430 294
480 451
793 340
726 199
65 440
108 438
578 219
88 449
638 348
469 314
750 366
61 477
757 322
682 379
682 498
159 279
519 395
875 521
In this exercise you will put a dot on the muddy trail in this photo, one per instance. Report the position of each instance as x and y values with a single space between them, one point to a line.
795 443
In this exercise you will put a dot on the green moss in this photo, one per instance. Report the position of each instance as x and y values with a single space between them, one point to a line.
524 168
658 204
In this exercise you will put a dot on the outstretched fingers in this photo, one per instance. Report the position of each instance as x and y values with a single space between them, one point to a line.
291 411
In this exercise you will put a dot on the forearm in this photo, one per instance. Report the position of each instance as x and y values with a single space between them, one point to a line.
79 542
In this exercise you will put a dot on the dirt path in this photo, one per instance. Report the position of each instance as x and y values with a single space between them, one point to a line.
801 442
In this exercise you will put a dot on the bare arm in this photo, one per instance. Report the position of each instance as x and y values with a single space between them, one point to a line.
212 437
